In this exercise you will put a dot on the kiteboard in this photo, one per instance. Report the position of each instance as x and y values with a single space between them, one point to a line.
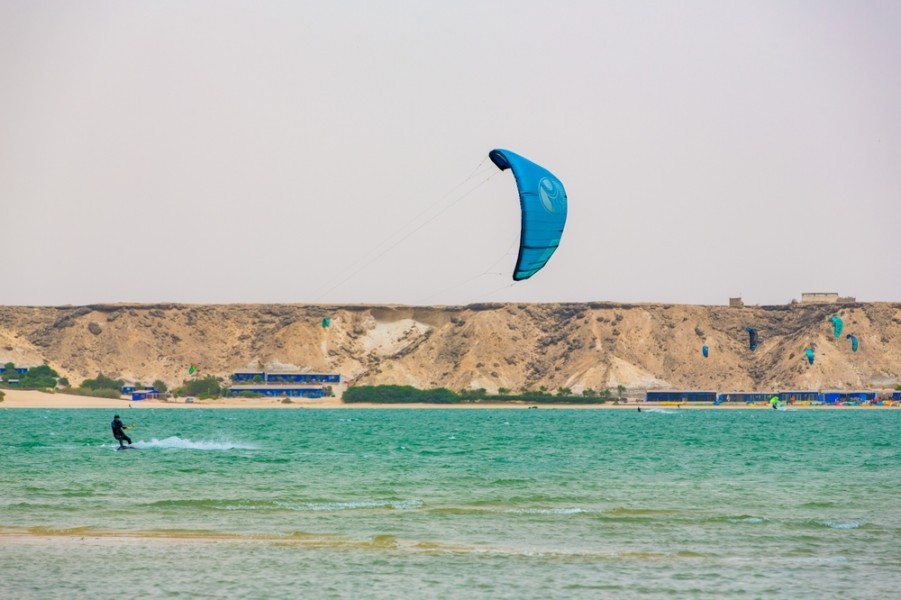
126 448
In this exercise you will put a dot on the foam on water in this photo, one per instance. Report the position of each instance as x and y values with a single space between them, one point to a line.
841 524
186 444
356 505
548 511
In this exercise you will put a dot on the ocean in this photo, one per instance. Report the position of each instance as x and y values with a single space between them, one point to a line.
439 503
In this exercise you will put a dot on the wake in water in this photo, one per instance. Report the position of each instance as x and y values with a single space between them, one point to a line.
183 444
662 411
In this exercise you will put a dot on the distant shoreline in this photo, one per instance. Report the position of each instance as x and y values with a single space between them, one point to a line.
35 399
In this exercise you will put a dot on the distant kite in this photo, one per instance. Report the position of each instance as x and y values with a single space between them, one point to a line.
753 338
809 353
705 351
854 343
192 369
837 325
326 322
543 202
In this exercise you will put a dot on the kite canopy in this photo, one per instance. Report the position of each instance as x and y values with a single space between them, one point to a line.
326 322
543 202
854 343
753 339
705 351
837 325
809 353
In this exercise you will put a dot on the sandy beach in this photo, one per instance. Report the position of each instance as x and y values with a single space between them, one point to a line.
35 399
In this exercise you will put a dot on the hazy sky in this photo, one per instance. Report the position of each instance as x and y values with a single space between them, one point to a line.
324 151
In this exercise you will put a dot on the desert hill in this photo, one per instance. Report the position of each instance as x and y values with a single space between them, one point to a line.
578 346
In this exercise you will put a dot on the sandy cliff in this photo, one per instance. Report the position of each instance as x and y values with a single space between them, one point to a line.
593 345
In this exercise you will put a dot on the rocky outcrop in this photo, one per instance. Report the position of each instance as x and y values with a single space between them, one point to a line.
592 345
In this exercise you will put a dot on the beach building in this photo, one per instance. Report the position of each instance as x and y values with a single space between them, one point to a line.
293 377
792 396
896 396
131 388
145 395
680 396
16 370
294 384
843 397
275 389
285 377
248 376
745 397
826 298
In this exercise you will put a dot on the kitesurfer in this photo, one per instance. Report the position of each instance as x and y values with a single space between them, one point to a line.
119 431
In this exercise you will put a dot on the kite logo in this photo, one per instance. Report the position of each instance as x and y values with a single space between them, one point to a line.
550 193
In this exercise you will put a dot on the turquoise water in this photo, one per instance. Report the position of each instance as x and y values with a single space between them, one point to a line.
435 503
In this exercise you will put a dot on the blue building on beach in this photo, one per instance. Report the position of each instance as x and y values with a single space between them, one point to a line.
277 390
680 396
838 396
785 396
16 370
293 384
285 377
792 396
745 397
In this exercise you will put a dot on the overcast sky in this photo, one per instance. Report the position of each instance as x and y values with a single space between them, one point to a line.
335 151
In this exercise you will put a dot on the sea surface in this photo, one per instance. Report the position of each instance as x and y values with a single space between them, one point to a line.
406 503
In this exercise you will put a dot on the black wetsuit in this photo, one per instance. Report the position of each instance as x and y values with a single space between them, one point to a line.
119 432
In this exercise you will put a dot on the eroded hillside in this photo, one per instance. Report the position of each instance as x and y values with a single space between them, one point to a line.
578 346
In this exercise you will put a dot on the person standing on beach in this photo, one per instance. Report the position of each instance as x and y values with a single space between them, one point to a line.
119 431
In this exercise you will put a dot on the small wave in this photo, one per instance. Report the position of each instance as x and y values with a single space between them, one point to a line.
548 511
215 504
746 519
184 444
819 504
841 524
815 560
627 512
362 504
662 411
277 505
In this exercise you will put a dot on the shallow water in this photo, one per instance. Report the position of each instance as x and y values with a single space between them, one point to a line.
432 503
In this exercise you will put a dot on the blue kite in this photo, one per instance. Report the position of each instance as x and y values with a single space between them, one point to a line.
854 343
753 339
543 201
837 325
